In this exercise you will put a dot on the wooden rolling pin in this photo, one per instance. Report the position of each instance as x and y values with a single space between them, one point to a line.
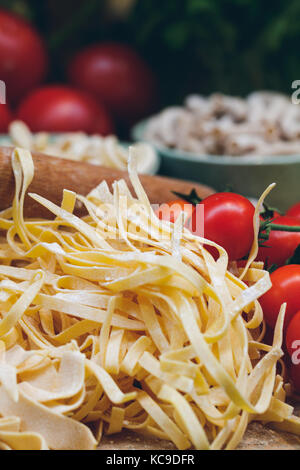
53 174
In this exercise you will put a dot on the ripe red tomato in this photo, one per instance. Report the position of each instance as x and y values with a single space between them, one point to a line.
5 117
294 372
294 211
118 76
285 288
281 245
228 221
57 108
293 335
23 57
170 210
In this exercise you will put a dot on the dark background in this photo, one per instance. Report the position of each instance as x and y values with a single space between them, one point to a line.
233 46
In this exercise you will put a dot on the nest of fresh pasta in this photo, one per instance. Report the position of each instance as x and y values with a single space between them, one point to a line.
95 149
119 320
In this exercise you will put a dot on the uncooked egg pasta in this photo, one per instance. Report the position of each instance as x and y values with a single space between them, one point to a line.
78 146
121 321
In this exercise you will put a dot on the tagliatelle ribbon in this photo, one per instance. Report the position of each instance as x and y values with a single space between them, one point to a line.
127 322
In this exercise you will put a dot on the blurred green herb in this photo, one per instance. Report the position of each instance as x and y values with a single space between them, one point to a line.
233 46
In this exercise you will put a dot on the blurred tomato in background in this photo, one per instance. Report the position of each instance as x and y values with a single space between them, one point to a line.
117 76
23 57
122 52
6 117
58 108
107 80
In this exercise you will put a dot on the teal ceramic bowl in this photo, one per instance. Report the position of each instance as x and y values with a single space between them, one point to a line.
248 175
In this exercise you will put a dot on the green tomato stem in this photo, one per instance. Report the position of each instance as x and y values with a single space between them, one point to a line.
284 228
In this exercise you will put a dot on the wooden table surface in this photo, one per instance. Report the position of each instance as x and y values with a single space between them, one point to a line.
257 437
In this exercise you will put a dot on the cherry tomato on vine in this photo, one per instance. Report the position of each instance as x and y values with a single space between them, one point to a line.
293 335
228 221
170 210
285 288
294 211
59 108
281 245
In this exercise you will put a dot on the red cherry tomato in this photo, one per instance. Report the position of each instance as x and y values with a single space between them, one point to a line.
170 210
5 117
118 76
228 221
293 336
294 211
281 245
294 372
23 58
285 288
57 108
